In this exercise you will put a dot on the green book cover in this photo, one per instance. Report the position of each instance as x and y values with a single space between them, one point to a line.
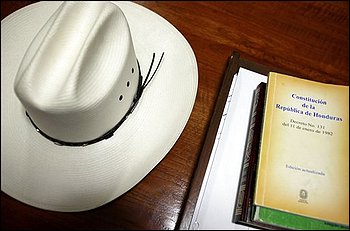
292 221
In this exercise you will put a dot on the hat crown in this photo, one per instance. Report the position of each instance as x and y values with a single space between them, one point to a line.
79 76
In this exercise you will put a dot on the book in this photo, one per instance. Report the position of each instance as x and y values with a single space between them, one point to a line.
244 209
303 163
246 184
275 219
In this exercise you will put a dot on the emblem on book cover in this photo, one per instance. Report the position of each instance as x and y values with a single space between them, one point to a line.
303 196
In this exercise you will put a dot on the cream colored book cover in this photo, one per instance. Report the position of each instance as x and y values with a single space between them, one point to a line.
304 154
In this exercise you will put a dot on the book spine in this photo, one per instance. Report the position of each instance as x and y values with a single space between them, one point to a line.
246 187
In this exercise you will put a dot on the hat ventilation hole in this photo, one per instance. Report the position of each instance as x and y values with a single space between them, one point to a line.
120 97
128 84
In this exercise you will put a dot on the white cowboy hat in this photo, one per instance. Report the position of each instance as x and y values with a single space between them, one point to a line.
78 128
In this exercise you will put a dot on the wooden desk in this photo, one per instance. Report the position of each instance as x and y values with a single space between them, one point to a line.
310 39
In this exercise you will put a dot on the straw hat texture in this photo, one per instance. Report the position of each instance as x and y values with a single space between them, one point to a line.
93 96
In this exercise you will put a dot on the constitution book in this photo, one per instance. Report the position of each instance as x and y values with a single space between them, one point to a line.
216 193
303 162
261 217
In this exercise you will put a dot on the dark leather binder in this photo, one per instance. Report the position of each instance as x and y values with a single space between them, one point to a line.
233 65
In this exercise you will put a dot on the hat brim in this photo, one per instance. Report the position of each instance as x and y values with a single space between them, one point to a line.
40 173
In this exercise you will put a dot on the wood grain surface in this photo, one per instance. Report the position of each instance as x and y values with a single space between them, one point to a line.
308 39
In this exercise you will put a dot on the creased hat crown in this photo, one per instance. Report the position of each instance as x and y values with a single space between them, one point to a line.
79 76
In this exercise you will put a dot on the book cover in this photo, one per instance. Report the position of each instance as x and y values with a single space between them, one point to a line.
278 219
304 155
247 177
260 217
